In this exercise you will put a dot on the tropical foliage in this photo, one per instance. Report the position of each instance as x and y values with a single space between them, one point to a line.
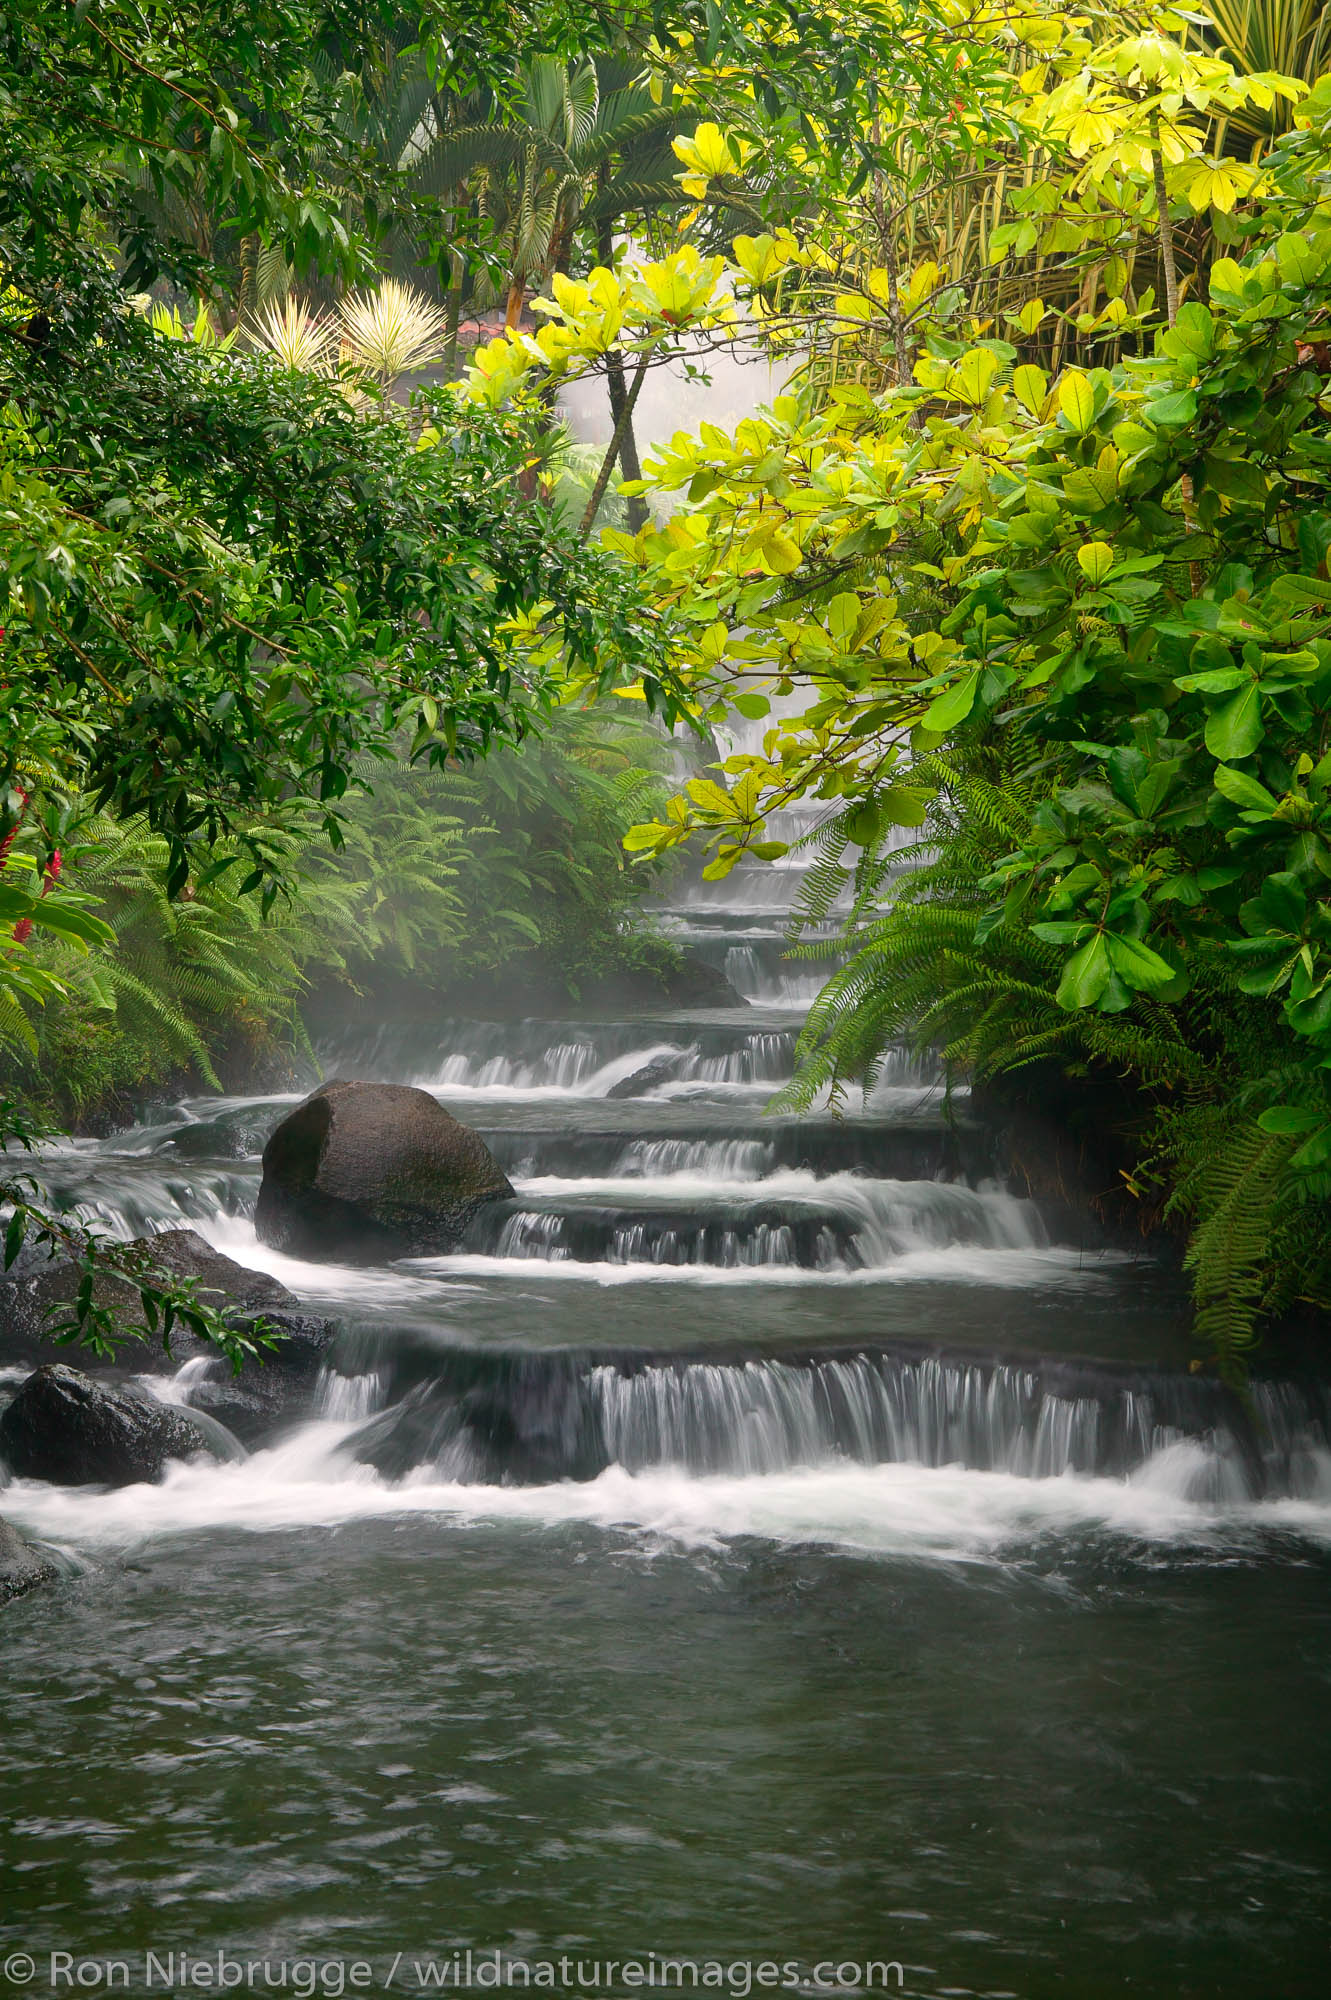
1046 577
1027 558
226 587
444 879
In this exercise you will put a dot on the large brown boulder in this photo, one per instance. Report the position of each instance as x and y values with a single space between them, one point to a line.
362 1172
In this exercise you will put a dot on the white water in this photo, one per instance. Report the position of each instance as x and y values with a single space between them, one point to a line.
416 1281
946 1513
771 1449
563 1069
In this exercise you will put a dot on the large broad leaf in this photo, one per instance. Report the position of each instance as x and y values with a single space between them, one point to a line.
1076 400
1313 1015
1138 966
953 705
1070 930
1281 907
905 805
1085 976
1194 329
1095 560
1235 728
1283 1118
1170 411
1216 680
1265 981
74 924
1030 386
1242 790
1315 1152
864 825
16 901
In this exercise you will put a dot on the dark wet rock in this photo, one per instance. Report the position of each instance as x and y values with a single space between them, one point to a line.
521 1423
363 1172
185 1254
650 1077
46 1289
239 1134
64 1427
693 982
22 1567
271 1389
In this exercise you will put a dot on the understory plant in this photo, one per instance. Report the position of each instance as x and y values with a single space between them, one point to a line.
444 881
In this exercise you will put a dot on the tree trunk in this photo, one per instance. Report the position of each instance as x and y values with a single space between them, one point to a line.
1171 313
615 447
457 279
629 462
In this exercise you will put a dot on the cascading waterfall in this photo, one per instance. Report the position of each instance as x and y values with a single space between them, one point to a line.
573 1336
767 1416
525 1419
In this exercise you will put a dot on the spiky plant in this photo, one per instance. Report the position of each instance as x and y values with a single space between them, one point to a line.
1289 37
201 331
391 330
302 339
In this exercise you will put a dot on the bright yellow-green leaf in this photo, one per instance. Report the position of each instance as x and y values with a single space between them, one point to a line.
972 377
1076 399
1217 186
1030 386
1095 561
781 555
762 258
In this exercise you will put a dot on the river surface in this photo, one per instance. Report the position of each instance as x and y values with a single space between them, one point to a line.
843 1568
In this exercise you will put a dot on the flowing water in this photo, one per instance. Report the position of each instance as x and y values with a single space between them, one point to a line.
768 1543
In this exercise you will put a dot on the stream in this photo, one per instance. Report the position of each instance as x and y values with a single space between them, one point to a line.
851 1570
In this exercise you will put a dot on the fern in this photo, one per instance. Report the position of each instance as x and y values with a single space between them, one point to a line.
443 876
920 970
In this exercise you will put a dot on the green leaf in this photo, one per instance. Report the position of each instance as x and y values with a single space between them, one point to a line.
1167 412
1314 1153
953 705
1290 1118
14 1235
1085 976
864 825
1217 680
1030 386
1194 328
66 920
1095 561
905 805
1282 905
1313 1015
1076 400
1235 728
1242 790
1137 965
1066 931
